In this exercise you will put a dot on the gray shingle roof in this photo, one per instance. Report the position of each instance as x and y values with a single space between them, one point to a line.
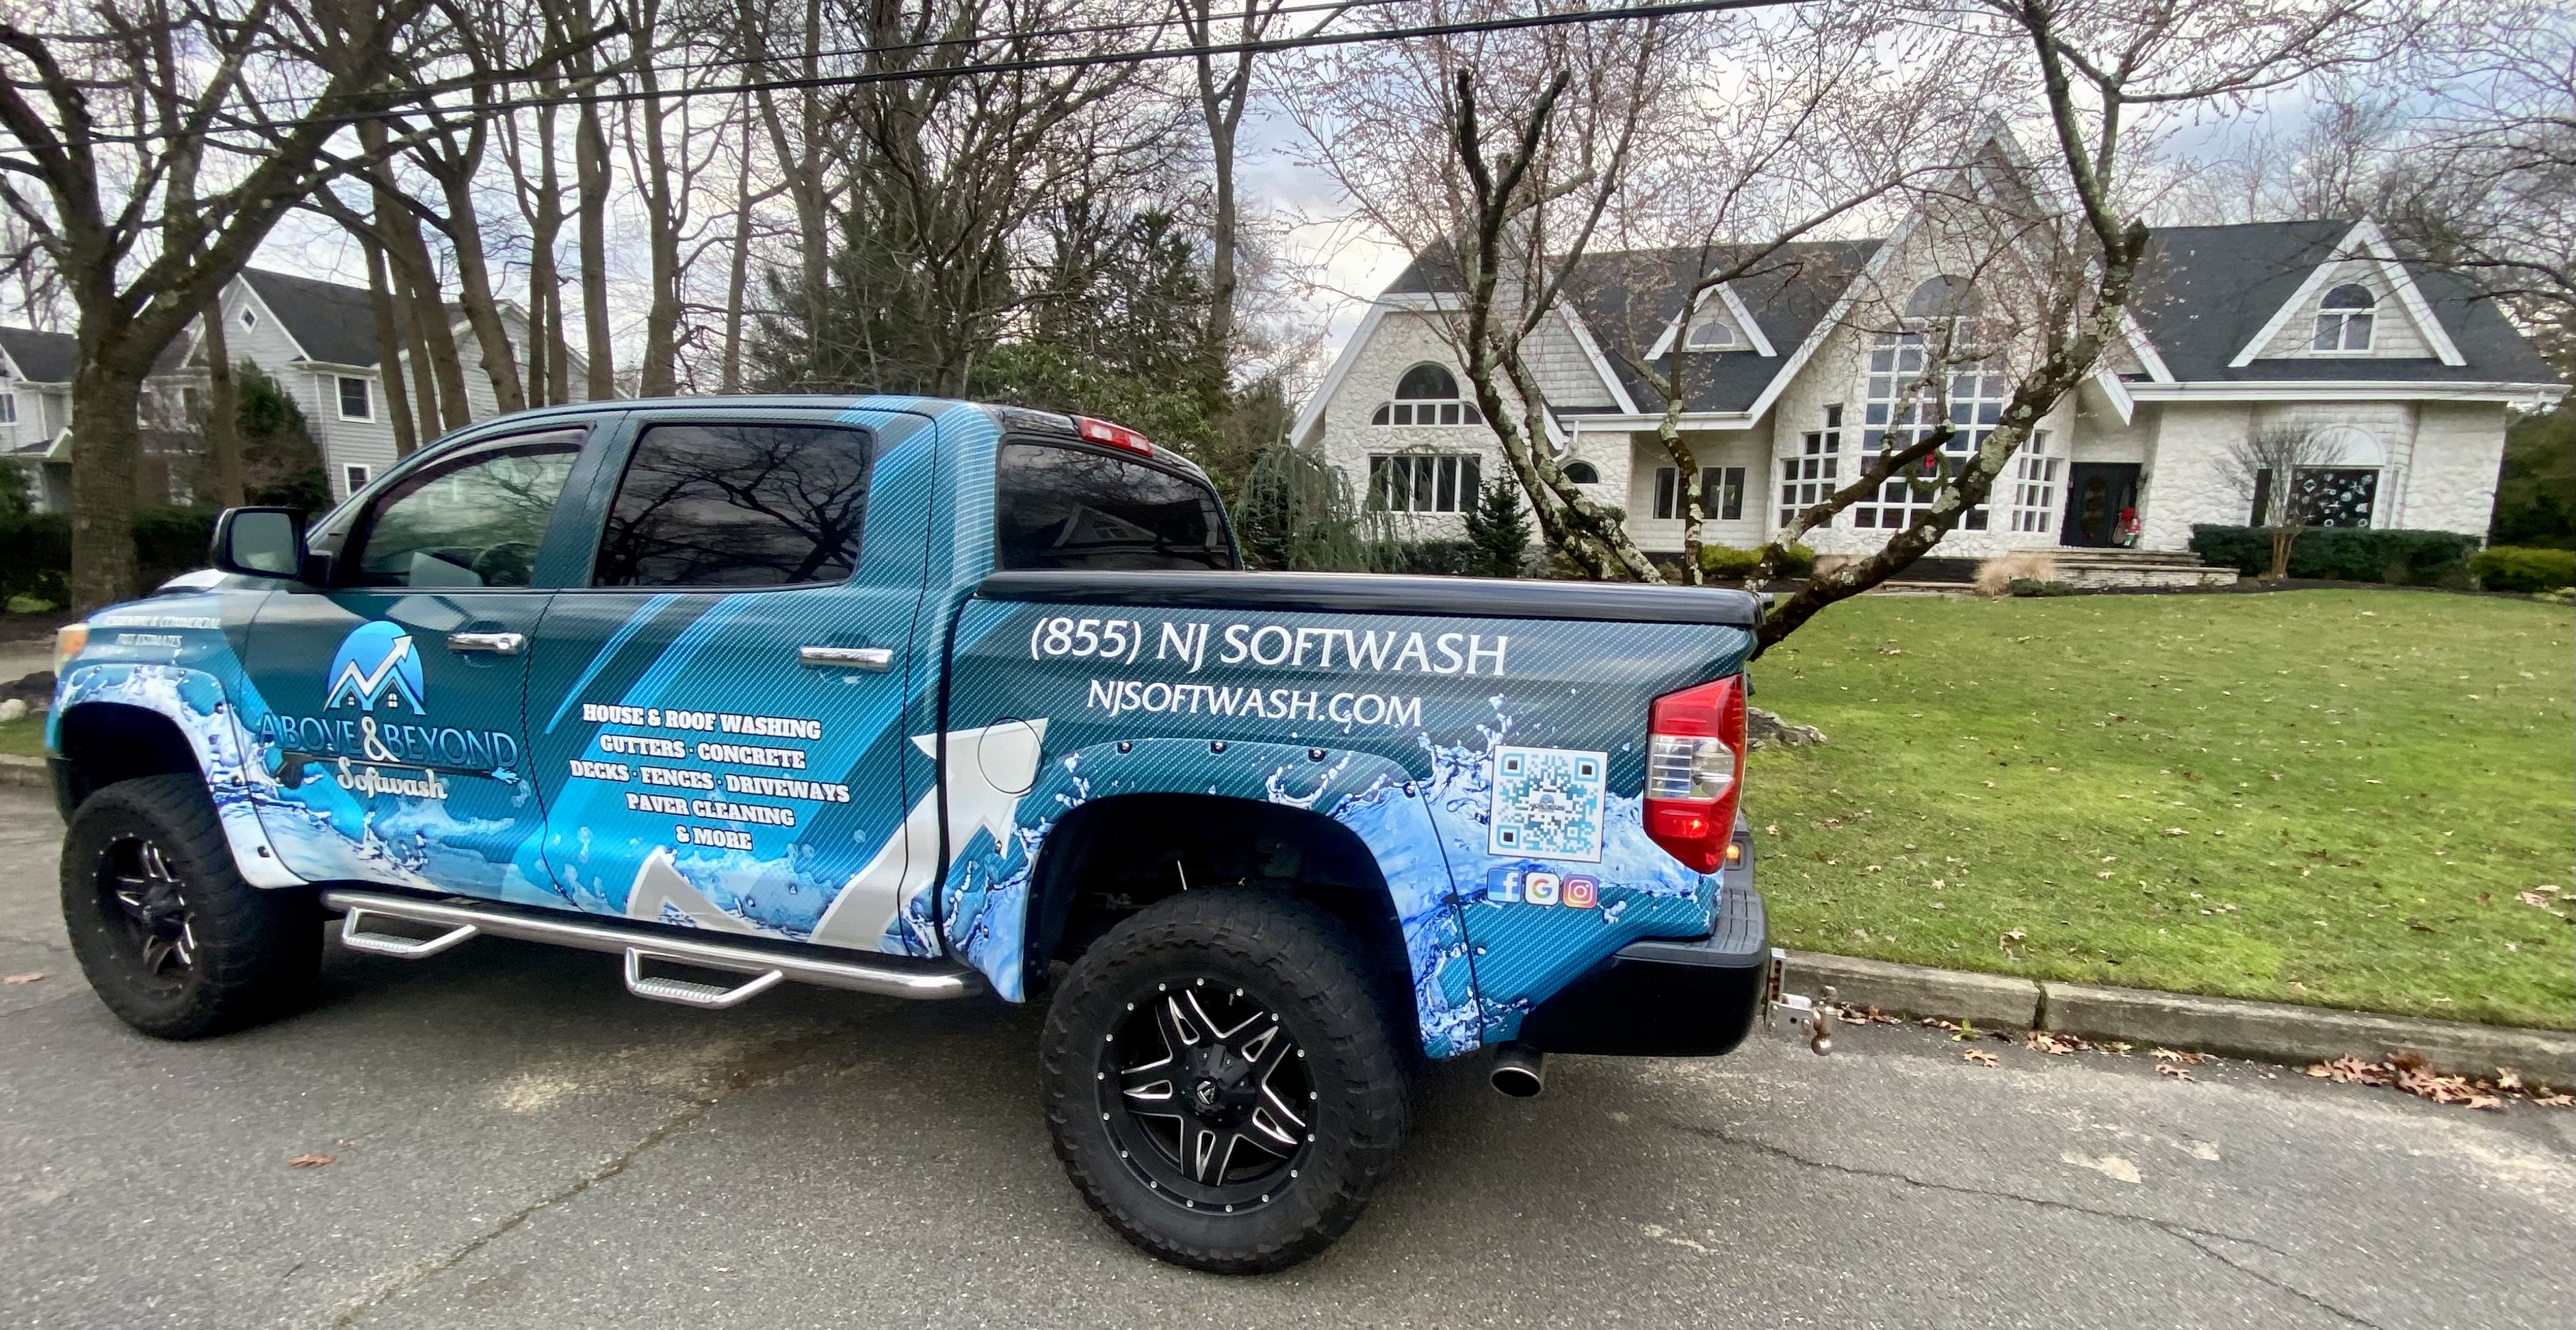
42 357
1627 298
2205 291
332 322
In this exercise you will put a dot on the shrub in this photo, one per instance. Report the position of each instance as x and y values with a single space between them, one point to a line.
170 541
2344 554
2032 586
1727 563
2518 568
1496 532
39 560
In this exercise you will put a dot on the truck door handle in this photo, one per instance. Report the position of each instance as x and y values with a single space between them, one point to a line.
876 659
498 644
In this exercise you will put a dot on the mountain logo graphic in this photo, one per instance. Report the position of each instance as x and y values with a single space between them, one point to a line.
376 669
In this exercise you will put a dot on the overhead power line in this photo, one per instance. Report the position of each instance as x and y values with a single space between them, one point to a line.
1138 55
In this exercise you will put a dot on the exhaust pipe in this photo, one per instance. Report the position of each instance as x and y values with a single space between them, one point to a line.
1519 1070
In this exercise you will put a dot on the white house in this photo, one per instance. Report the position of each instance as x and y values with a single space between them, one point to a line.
1793 384
316 339
36 412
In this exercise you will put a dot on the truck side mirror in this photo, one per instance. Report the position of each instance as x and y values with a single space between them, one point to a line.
260 542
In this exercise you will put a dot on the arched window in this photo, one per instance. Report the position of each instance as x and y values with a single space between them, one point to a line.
1711 335
2344 319
1943 298
1427 381
1582 473
1427 395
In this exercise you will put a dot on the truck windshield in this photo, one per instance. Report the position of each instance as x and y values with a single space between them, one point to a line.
1074 508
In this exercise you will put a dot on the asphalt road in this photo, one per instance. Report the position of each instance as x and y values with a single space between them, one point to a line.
518 1142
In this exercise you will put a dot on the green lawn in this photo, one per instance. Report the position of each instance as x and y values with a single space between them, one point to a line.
23 738
2330 797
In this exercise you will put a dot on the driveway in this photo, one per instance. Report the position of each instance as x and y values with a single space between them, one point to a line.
519 1142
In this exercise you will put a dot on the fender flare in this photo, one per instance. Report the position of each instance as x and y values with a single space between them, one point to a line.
194 702
985 895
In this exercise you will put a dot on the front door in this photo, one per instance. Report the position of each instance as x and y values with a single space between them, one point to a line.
389 702
716 719
2097 495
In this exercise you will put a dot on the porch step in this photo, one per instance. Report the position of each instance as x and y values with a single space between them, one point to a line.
2092 567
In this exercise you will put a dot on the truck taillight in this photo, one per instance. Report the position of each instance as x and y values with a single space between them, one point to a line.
1116 436
1694 770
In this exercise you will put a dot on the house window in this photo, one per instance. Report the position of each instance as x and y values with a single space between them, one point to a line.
249 317
2338 496
1421 483
1427 395
1809 478
1905 406
2344 319
357 476
1582 473
2034 486
1721 491
356 402
8 408
1711 335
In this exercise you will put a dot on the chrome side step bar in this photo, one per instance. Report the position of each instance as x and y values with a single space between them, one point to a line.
767 968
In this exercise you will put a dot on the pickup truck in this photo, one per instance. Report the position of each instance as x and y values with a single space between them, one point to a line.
932 699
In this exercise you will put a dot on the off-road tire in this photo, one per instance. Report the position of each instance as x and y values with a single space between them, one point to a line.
1286 956
249 954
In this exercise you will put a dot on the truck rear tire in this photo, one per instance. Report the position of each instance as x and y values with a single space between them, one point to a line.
1220 1083
168 934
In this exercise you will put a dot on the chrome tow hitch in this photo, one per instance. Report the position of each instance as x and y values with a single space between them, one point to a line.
1812 1017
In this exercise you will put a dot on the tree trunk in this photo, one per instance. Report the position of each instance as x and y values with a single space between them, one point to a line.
729 375
2283 537
1686 493
474 287
590 169
223 422
380 303
106 450
658 377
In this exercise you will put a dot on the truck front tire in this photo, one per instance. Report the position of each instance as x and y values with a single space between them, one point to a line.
168 934
1220 1082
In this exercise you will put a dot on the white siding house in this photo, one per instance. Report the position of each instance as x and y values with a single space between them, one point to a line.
2235 329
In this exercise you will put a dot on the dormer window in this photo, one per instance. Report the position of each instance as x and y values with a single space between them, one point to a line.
1427 395
2344 319
1712 335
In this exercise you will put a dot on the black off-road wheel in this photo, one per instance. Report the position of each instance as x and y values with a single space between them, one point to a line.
1222 1086
168 934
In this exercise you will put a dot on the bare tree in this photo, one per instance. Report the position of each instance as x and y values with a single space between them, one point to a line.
147 213
2070 239
1494 158
1824 113
2267 469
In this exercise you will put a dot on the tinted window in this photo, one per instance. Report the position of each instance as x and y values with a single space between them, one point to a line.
1072 508
737 505
475 521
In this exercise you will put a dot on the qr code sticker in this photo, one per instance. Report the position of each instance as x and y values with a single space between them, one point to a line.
1547 803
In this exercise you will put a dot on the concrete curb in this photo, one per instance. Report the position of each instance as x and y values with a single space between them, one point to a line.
24 771
2265 1031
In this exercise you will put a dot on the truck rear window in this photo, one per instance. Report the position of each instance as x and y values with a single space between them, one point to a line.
1075 508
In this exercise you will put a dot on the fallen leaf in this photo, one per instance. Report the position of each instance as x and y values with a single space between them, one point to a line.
29 977
2056 1045
2109 1166
312 1161
1979 1056
2176 831
2167 1069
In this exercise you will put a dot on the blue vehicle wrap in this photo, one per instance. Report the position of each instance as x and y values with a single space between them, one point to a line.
667 756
